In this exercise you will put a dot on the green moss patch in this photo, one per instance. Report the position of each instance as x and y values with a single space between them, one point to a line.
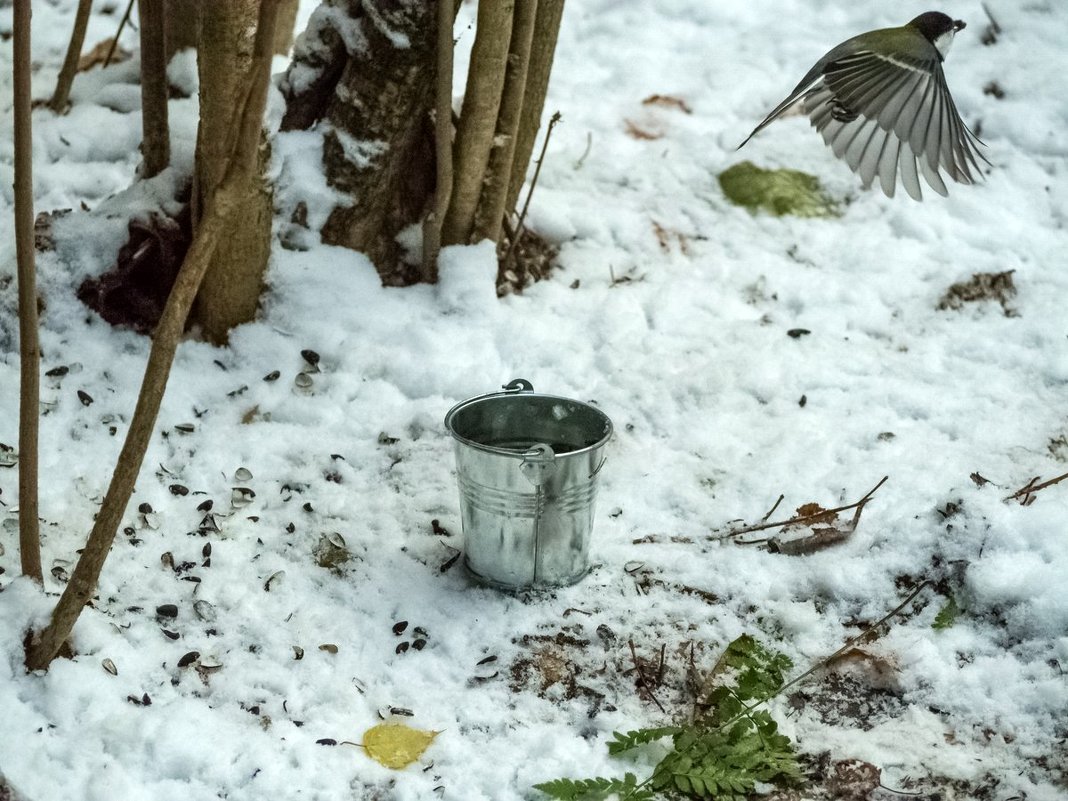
777 191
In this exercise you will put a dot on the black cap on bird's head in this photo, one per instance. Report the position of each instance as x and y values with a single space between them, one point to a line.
938 29
935 24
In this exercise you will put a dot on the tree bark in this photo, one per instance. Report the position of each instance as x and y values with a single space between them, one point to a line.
491 206
29 348
378 145
547 30
61 96
478 117
155 136
231 289
219 208
184 20
443 130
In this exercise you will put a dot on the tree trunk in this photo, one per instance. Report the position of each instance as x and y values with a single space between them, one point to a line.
378 145
547 29
29 349
246 119
491 206
155 137
231 289
184 20
443 131
61 96
478 118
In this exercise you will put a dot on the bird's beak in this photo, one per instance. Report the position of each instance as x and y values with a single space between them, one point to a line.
959 25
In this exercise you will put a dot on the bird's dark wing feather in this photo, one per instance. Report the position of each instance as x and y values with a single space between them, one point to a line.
885 115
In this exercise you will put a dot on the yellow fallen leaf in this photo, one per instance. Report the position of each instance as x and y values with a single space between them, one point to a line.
396 745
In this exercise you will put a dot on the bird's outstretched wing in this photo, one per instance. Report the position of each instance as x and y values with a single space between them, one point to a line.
885 116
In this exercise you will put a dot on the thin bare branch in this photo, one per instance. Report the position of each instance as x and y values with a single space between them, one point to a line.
29 347
118 33
491 204
533 183
1026 493
801 520
478 119
61 96
155 136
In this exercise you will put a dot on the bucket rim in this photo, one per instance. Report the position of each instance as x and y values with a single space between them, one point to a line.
515 452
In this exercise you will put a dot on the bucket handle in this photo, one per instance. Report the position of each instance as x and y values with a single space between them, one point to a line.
518 385
539 463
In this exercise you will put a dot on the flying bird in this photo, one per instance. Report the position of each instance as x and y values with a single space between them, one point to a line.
881 102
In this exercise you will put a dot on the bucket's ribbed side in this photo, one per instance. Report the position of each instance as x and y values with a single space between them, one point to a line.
519 534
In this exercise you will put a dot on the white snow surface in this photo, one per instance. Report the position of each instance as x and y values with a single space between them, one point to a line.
671 311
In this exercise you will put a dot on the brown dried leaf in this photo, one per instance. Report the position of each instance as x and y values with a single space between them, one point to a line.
99 53
637 132
669 101
854 780
878 670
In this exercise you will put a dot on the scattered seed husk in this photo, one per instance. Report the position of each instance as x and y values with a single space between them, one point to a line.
303 381
298 652
179 489
188 659
109 666
448 563
273 580
59 573
167 610
330 552
326 741
310 356
400 626
167 560
419 644
386 712
206 550
419 631
242 474
170 635
241 497
402 647
58 372
151 520
144 508
185 428
633 566
274 375
361 688
208 666
205 611
205 506
486 660
85 397
329 647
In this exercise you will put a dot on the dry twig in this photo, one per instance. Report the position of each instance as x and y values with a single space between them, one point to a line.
644 682
1026 493
800 520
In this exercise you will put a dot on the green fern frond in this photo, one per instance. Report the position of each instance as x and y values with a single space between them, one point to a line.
595 789
632 739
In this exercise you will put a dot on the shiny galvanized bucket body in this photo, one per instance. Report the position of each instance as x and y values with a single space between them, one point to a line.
527 467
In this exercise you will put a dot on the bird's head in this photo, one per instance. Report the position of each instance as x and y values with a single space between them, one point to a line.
938 29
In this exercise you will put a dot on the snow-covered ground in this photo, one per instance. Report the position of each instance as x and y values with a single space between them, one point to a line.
672 311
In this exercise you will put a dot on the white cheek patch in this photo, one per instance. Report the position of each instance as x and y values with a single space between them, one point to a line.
943 42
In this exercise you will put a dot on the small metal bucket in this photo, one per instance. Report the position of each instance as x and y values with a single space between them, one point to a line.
527 467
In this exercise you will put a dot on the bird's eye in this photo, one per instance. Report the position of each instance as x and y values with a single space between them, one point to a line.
959 25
